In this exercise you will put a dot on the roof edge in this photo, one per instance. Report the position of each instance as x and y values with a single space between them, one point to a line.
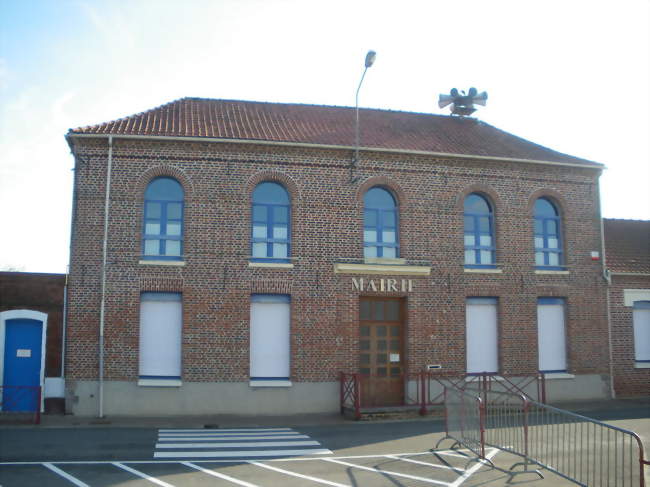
586 165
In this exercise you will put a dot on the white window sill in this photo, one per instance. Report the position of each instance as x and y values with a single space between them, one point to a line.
642 365
171 263
551 273
478 270
160 382
270 383
271 265
384 261
558 375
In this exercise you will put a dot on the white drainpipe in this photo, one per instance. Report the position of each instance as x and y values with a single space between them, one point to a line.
102 308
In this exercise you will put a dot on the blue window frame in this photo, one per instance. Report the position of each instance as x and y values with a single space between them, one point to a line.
271 223
548 239
162 233
479 232
380 237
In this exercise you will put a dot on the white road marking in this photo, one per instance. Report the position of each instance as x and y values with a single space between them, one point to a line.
386 472
219 475
470 471
295 474
142 475
242 454
270 434
215 430
226 438
65 475
434 465
229 444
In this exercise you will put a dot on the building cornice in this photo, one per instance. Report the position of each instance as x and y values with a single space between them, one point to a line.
304 145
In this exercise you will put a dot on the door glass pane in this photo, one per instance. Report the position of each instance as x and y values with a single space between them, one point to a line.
174 228
382 345
382 358
280 250
390 252
365 310
151 247
173 247
174 211
394 345
259 249
364 370
364 359
395 371
392 311
364 331
153 210
259 231
381 371
152 229
378 310
381 331
280 232
394 331
364 345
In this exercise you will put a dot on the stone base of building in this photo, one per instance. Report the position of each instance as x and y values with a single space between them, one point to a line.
123 398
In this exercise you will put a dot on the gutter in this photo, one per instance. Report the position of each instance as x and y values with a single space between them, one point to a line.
608 280
102 309
213 140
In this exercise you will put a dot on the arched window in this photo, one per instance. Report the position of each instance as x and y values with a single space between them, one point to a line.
548 241
380 224
163 220
271 222
479 232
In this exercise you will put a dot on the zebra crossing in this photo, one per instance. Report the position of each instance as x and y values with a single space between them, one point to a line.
234 444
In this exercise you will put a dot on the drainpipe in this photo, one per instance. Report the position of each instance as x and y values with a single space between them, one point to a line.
64 324
102 308
608 280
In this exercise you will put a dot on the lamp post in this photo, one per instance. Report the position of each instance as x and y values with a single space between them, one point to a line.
370 59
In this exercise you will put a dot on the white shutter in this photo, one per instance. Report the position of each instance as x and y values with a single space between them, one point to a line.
481 335
641 320
551 335
160 335
269 337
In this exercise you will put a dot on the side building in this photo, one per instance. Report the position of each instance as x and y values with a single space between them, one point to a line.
627 243
236 257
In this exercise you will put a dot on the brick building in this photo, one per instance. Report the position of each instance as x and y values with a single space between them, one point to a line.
627 243
248 258
31 340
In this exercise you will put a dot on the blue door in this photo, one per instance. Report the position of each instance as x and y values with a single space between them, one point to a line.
22 364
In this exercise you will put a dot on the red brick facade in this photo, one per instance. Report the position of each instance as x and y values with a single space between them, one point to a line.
326 228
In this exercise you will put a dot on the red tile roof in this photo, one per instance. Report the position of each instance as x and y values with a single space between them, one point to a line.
327 125
627 244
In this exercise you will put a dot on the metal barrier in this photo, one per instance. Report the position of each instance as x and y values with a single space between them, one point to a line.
580 449
464 420
350 397
17 402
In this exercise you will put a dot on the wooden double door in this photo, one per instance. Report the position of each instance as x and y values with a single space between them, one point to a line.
381 351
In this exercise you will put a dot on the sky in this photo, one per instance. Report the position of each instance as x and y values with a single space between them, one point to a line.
569 75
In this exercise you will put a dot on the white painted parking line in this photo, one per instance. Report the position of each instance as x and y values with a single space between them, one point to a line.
242 454
219 475
470 471
295 436
418 462
249 443
142 475
387 472
295 474
65 475
230 444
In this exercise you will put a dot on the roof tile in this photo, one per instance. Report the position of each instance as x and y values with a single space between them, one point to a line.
627 243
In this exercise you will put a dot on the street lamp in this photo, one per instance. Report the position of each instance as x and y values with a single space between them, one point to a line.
370 59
